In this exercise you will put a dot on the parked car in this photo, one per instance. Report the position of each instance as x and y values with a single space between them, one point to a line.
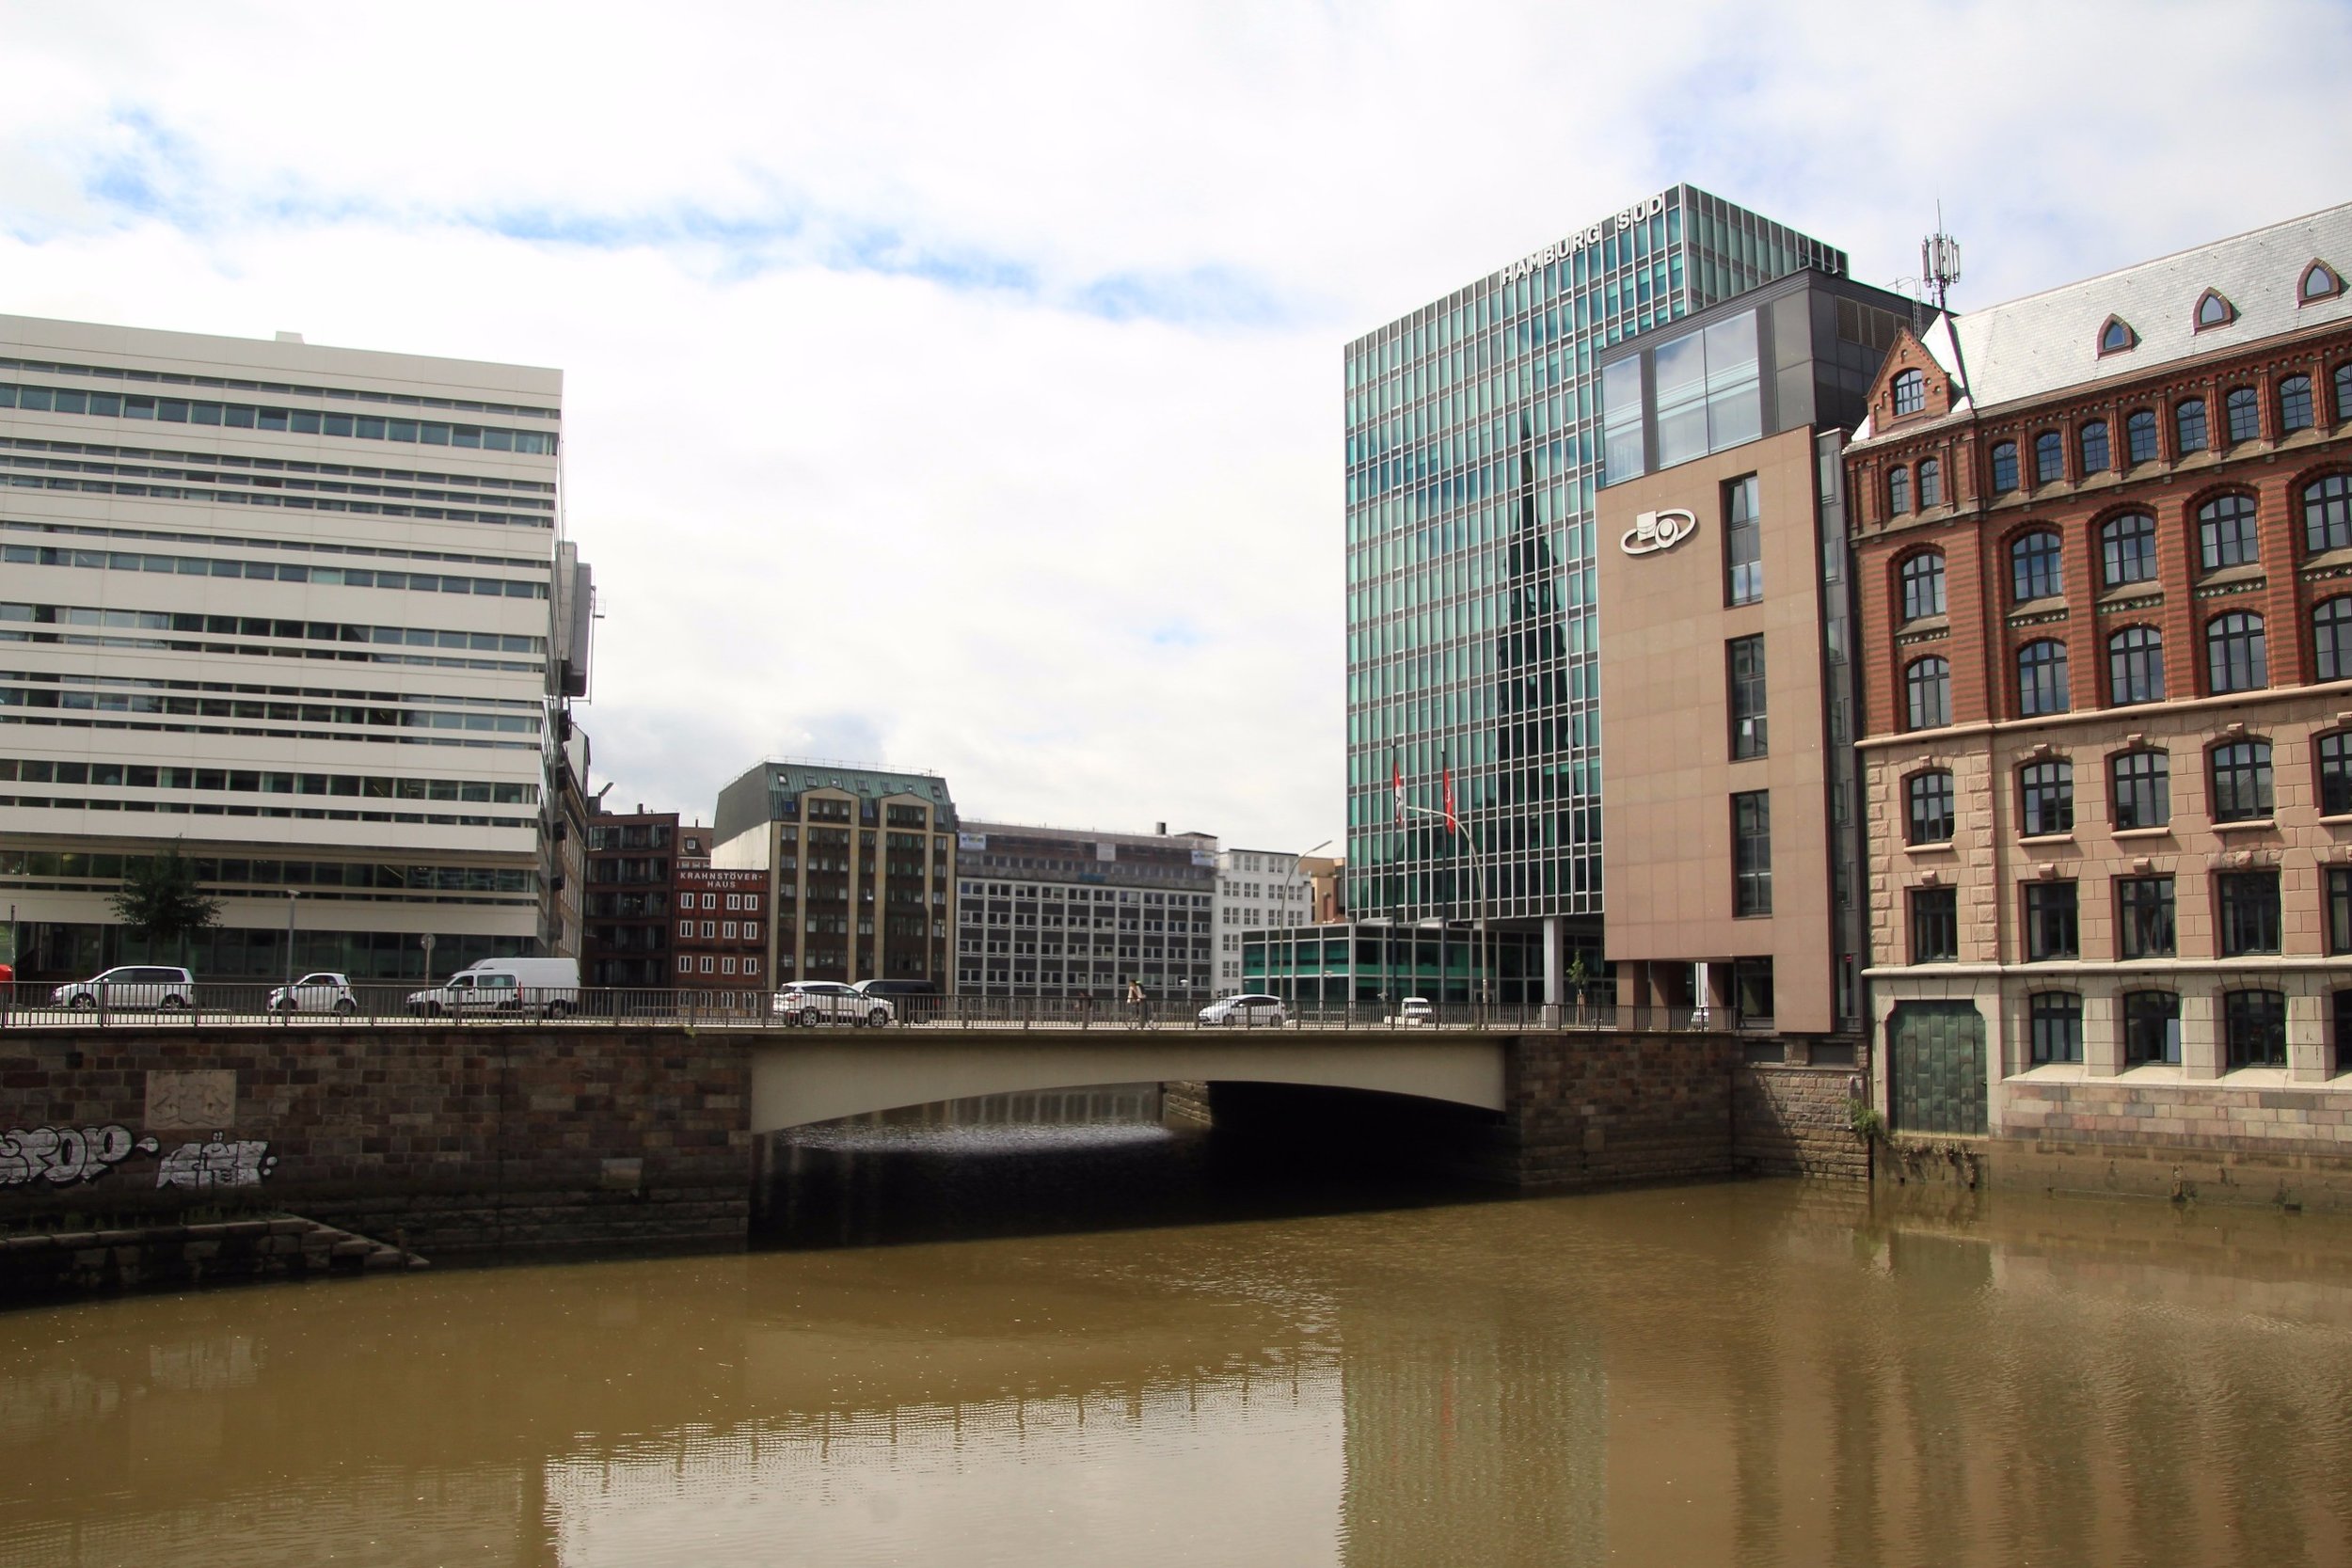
895 988
545 986
1247 1011
812 1001
1416 1011
321 993
162 986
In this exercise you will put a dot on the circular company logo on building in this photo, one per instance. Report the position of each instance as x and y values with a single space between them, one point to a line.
1659 530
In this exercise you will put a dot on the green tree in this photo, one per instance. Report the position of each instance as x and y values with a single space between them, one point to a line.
160 900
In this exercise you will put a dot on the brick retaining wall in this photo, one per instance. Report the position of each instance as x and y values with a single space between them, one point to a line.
1797 1121
449 1140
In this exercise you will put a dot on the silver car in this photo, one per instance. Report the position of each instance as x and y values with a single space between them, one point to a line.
160 985
808 1003
323 992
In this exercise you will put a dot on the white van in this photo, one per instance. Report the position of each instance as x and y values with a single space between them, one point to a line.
548 987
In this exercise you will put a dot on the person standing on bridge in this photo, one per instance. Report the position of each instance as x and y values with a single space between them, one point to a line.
1137 1000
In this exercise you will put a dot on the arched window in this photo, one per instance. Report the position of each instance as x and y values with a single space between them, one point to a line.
1898 491
2135 666
2151 1027
2127 549
2036 569
2295 404
2244 413
2140 789
2254 1022
1923 584
1929 799
2045 798
2139 437
2225 533
2235 659
2056 1016
2049 458
2241 781
2115 338
2331 639
2214 310
2319 281
2092 441
2328 513
2333 754
1931 482
2041 678
2004 467
1927 693
1911 392
2188 425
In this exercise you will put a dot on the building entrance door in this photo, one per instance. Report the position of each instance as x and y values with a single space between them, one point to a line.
1936 1051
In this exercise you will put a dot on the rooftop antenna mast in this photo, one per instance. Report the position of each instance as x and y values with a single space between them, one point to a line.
1939 269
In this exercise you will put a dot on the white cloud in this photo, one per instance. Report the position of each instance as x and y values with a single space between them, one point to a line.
859 454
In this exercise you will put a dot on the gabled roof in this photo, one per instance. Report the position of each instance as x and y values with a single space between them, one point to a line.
2049 341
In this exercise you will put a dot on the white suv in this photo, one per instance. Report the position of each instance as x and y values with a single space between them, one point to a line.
812 1001
1246 1012
131 986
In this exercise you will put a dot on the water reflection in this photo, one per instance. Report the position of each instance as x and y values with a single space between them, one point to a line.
1767 1373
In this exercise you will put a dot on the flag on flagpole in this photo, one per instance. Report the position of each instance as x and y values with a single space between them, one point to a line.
1396 787
1453 823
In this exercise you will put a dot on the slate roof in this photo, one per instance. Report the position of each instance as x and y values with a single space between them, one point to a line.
2049 341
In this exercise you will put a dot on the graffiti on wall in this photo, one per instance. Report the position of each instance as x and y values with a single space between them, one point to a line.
63 1155
233 1163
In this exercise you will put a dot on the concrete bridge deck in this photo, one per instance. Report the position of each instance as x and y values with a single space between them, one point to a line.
806 1075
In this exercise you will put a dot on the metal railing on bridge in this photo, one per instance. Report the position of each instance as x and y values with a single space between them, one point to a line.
30 1004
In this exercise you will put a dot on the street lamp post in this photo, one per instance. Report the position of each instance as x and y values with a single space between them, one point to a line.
1293 924
292 896
1478 883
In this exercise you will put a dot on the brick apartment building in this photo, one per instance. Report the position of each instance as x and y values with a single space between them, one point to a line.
2104 549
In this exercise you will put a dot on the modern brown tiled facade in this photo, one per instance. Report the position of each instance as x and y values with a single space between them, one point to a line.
1729 841
860 866
2108 668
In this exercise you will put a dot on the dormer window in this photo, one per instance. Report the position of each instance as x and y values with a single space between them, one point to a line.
1911 392
2320 281
2212 310
2117 336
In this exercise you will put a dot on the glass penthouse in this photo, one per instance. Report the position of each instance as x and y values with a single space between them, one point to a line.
1473 453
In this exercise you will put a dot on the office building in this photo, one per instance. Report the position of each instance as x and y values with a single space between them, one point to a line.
1256 890
721 942
300 611
630 889
1473 455
1071 913
859 868
1731 846
2102 536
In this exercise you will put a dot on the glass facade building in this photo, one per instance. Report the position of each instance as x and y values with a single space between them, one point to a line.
1474 447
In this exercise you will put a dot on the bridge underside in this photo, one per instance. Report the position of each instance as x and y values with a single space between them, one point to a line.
799 1079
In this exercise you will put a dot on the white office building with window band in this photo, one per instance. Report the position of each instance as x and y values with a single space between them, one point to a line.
296 610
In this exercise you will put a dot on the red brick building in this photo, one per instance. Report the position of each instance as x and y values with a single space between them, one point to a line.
2104 549
721 929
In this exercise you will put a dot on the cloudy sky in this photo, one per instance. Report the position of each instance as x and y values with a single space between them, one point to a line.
957 387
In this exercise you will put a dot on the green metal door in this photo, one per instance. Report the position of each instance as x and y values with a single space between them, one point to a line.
1936 1051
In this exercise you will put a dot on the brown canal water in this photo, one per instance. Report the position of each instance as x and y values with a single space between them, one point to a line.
1252 1370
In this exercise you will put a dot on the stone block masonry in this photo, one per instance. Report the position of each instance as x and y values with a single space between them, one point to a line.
452 1142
